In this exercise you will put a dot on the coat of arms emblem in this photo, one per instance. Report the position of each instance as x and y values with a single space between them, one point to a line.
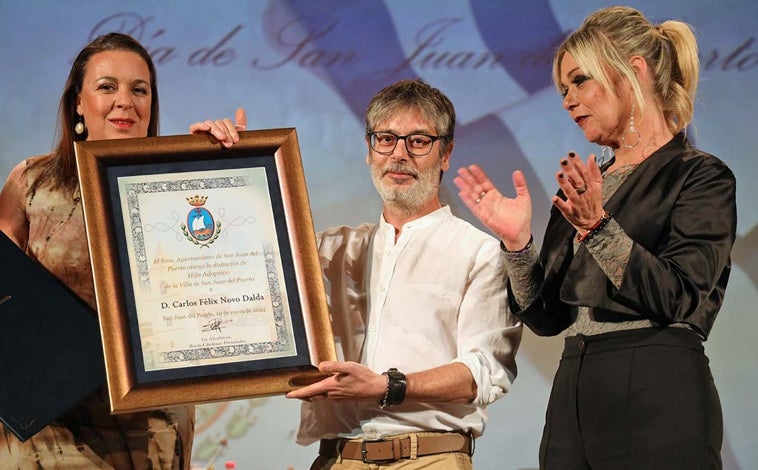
201 228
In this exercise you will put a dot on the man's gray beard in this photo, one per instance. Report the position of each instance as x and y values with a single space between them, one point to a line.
407 200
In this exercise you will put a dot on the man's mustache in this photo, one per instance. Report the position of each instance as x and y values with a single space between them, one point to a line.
399 168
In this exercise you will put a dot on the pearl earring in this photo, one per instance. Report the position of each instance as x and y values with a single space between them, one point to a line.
79 127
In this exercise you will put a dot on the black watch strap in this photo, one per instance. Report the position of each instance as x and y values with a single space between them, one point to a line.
396 384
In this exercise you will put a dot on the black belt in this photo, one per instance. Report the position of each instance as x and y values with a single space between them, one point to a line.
392 449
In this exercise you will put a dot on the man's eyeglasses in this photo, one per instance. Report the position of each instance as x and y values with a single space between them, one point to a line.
417 145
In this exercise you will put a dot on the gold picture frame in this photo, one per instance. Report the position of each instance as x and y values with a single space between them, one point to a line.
224 303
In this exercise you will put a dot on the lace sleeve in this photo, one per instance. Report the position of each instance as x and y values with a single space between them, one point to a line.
524 275
611 248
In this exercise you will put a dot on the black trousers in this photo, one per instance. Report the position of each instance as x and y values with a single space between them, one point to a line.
636 399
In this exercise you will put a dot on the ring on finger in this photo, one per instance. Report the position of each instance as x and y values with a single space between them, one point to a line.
581 189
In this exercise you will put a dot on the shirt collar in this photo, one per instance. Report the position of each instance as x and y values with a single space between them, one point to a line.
432 218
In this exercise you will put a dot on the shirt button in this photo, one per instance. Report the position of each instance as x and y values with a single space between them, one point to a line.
381 289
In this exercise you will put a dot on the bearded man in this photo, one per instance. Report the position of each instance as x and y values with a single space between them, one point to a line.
417 305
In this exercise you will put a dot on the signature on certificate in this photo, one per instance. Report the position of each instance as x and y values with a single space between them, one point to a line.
215 325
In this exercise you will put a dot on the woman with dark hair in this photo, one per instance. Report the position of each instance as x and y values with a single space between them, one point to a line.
635 258
110 93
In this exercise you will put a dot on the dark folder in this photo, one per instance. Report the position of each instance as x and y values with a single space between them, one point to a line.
50 351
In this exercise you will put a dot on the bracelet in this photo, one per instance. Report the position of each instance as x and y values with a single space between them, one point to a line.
523 250
396 384
595 228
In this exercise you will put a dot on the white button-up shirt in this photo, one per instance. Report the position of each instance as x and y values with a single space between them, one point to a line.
435 296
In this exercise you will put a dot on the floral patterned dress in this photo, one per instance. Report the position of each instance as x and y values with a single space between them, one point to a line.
49 226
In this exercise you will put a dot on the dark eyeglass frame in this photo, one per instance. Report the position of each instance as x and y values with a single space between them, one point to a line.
434 138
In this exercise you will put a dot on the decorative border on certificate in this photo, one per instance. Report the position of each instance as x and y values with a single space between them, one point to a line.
203 246
205 266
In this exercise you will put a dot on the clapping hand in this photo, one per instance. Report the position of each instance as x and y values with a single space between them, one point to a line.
582 186
508 218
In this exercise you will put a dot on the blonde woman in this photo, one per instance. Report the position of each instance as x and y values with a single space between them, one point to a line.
635 258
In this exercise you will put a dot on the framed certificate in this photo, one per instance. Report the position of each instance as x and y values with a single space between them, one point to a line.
205 265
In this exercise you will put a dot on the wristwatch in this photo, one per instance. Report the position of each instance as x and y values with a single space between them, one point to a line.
396 384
